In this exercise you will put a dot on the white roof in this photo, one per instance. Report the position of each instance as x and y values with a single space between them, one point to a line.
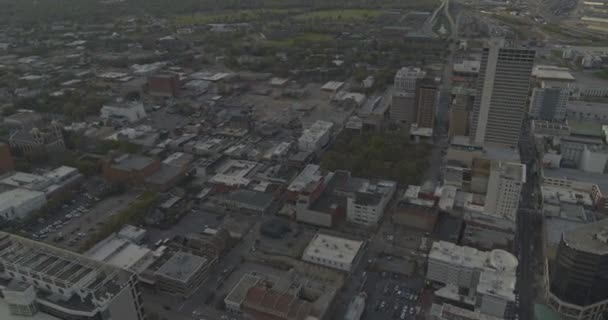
310 173
22 179
552 72
60 172
498 267
316 131
333 248
129 257
557 195
131 232
471 66
447 198
497 259
332 86
457 255
17 197
234 172
511 170
497 284
112 75
278 81
421 131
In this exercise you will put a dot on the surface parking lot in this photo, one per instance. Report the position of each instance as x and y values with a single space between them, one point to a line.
393 296
71 225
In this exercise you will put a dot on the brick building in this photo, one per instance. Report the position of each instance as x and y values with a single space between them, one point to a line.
130 169
164 85
6 159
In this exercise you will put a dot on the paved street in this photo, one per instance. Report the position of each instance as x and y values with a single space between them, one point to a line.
529 231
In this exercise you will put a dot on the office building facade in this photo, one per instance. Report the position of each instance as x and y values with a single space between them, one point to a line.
502 95
404 105
426 103
578 277
504 188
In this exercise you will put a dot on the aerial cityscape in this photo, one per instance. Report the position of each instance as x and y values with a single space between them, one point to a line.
303 160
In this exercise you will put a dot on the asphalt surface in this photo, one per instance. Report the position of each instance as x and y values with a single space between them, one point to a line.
529 230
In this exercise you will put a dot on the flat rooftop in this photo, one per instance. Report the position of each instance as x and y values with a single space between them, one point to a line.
23 179
498 285
497 260
249 198
239 292
556 196
181 266
310 174
587 79
132 162
332 248
455 254
586 107
17 197
119 252
601 180
545 72
591 238
72 270
511 170
234 172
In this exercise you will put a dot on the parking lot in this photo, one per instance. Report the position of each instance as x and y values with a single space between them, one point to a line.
77 219
393 296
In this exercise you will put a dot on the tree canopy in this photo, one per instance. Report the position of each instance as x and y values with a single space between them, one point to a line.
378 155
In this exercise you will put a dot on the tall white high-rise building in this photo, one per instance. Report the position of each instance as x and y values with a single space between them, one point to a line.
406 79
504 189
502 94
404 105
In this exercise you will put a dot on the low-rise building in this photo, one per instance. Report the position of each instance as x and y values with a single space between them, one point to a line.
65 284
19 203
122 253
369 201
232 174
594 184
489 277
292 297
339 195
333 252
448 312
211 243
39 140
7 163
316 136
308 182
51 183
164 85
183 273
249 201
130 169
124 111
235 298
